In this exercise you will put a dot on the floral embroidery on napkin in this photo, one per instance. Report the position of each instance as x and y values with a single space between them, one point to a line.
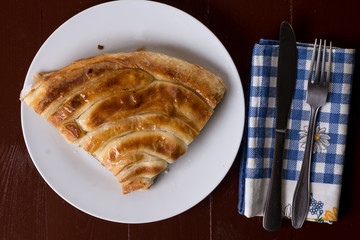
331 216
287 211
316 210
321 139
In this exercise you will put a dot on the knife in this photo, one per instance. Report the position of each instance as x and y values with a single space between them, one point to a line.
285 85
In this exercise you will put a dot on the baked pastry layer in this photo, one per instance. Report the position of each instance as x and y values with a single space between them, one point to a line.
134 112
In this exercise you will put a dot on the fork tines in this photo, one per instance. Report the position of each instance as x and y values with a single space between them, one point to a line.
323 59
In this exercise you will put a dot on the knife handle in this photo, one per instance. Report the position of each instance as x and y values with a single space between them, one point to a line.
272 211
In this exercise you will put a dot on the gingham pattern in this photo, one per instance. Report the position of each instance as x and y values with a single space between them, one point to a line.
327 166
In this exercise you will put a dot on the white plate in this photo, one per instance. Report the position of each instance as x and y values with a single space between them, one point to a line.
80 179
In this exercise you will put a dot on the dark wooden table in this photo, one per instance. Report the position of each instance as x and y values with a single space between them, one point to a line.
30 209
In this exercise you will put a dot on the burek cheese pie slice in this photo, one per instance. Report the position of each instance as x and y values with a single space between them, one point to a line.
134 112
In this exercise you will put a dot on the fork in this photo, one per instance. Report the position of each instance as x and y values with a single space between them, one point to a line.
316 98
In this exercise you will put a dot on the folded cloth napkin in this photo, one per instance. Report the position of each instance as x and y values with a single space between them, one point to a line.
330 138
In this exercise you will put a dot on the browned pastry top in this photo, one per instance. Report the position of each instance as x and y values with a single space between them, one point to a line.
134 112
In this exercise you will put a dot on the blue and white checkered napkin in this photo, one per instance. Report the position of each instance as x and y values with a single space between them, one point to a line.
330 137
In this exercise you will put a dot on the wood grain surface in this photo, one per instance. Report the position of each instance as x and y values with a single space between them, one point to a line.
30 209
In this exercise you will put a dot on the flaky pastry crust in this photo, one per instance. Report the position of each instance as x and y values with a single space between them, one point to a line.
134 112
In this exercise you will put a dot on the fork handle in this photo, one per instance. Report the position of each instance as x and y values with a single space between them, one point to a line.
272 211
301 200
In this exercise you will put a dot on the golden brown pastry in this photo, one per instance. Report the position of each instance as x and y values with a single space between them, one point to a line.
134 112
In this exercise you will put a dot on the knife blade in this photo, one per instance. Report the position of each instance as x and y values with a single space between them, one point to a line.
285 86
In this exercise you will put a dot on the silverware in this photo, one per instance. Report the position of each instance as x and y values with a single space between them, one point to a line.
285 86
316 97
